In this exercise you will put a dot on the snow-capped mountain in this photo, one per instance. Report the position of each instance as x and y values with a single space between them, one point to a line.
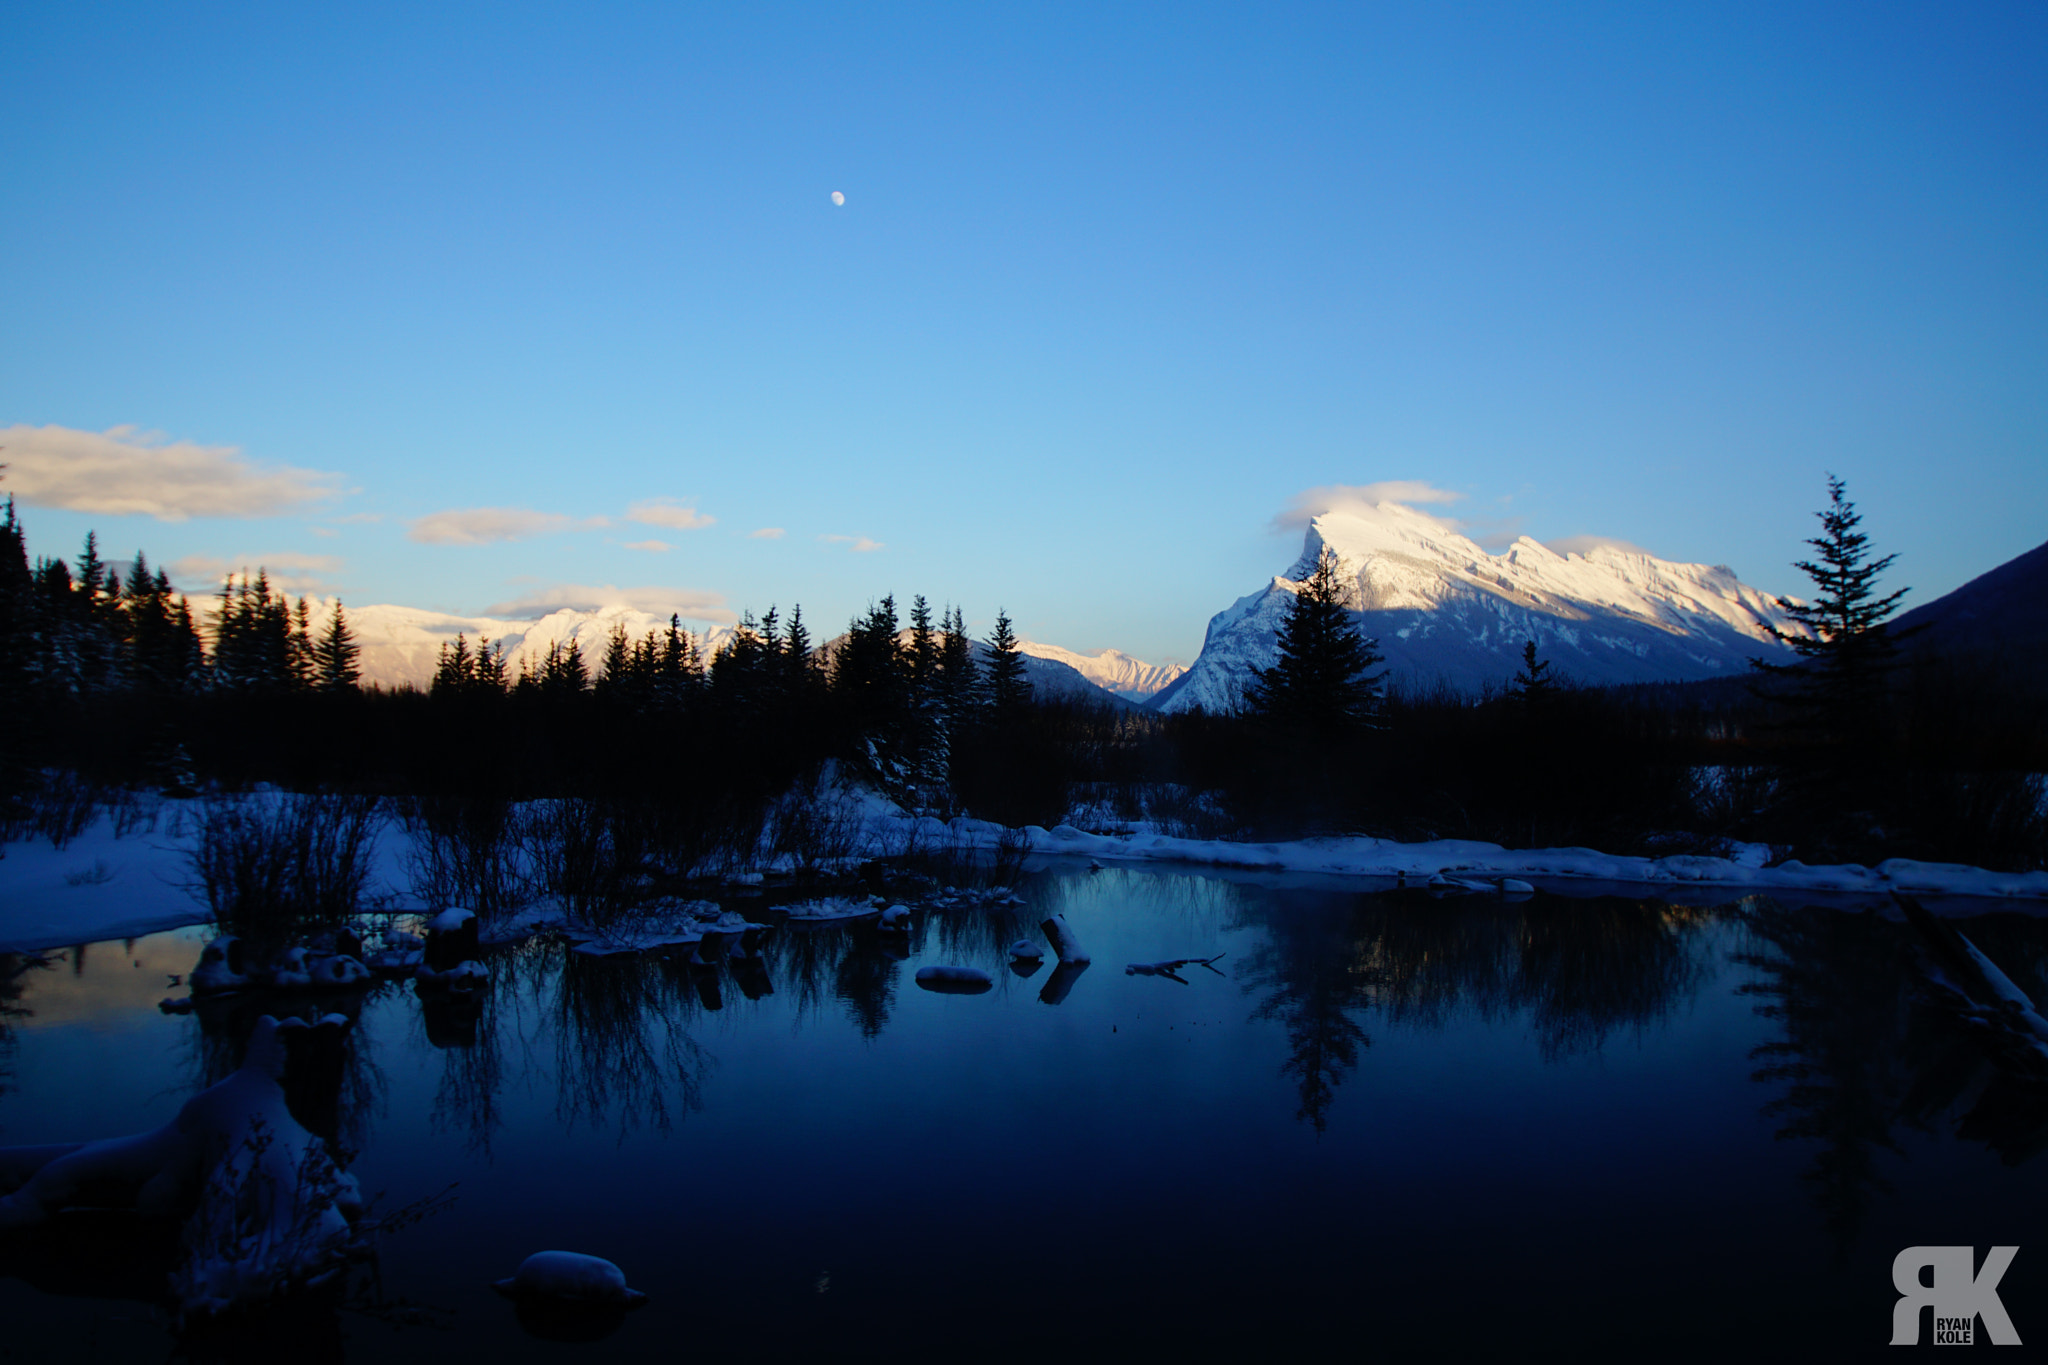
1443 608
1112 670
401 644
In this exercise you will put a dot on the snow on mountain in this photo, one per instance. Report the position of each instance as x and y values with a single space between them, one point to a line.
1443 608
1049 677
1112 670
401 644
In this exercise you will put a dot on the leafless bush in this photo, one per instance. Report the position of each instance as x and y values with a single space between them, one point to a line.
590 856
1185 813
272 866
63 806
466 851
134 812
817 825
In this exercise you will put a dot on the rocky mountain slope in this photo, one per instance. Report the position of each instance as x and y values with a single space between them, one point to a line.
1443 609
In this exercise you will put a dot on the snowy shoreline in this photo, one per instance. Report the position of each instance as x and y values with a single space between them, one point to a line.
102 887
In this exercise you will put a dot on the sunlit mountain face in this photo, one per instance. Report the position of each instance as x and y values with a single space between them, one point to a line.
1443 609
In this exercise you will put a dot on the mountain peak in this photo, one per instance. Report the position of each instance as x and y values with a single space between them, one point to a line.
1444 608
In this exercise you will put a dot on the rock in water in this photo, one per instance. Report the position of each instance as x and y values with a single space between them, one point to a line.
570 1277
954 980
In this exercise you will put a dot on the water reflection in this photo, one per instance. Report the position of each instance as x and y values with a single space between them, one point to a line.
623 1051
14 970
1861 1051
1580 970
337 1091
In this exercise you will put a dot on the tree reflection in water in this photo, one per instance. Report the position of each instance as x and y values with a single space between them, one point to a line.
1581 970
855 965
621 1044
14 968
1863 1050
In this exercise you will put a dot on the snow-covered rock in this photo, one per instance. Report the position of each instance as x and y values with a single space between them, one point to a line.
265 1208
1442 607
949 980
571 1277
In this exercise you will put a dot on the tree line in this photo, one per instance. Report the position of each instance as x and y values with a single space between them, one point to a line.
1850 752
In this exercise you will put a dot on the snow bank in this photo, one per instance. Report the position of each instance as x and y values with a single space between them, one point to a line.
1469 860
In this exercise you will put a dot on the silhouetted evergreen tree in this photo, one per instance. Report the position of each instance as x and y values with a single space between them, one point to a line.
1322 683
1533 686
335 655
1008 688
259 645
1836 690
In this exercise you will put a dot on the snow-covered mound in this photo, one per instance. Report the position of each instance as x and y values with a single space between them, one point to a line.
1441 607
1112 670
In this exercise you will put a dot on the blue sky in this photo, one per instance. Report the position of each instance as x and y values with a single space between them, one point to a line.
1110 287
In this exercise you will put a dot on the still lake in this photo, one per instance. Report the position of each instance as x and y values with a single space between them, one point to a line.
1591 1126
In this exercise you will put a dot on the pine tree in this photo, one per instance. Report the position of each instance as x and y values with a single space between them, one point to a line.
615 676
1845 649
1008 688
334 656
1322 683
20 615
1533 686
454 670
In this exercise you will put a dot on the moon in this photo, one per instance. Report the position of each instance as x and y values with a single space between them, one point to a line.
838 198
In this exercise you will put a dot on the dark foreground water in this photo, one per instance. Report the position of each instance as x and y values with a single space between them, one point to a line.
1392 1128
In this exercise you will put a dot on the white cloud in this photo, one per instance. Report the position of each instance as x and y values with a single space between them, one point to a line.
766 533
677 516
1578 545
287 570
651 546
127 472
482 525
697 604
860 545
1339 497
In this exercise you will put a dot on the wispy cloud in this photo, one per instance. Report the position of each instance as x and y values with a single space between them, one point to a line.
860 545
698 604
670 512
1305 506
658 547
124 471
287 570
766 533
484 525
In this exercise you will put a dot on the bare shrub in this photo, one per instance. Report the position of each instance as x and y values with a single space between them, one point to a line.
816 825
271 867
466 851
590 856
64 805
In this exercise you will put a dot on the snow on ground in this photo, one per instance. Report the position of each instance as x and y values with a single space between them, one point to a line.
104 887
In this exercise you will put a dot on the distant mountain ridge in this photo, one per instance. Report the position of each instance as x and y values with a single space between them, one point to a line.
1444 609
1112 670
400 646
